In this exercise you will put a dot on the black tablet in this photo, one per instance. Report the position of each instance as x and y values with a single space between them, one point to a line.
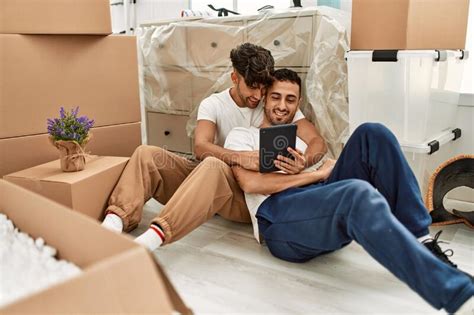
274 141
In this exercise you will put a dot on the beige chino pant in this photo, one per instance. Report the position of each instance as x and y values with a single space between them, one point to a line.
191 191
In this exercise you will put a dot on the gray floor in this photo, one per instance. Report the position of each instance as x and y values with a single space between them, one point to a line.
220 268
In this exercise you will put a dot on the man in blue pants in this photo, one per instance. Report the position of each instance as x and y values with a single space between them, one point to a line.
370 195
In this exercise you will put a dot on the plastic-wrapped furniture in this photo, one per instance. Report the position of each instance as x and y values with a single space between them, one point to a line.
184 61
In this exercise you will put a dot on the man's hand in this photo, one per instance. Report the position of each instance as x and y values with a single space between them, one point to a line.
325 170
249 160
291 166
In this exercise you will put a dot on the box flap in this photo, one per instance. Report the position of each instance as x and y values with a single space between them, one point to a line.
57 191
119 276
125 283
76 237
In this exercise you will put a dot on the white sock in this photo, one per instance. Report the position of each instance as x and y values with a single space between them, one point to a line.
424 238
152 238
113 222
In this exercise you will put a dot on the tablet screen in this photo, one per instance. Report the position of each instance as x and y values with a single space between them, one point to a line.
274 141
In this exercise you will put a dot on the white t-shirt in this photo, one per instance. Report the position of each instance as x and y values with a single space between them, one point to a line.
248 139
221 109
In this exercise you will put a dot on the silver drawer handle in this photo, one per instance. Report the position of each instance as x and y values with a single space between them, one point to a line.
167 133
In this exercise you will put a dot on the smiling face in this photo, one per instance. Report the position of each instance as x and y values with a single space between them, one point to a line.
281 102
244 95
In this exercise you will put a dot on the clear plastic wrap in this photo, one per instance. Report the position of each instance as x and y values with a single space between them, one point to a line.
183 62
326 84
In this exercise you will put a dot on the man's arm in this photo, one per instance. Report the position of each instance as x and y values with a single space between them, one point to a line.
204 146
316 145
257 183
316 149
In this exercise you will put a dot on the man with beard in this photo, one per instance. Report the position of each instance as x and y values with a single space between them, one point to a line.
369 195
194 191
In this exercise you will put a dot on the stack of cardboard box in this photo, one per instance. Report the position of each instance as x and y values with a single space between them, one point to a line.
60 53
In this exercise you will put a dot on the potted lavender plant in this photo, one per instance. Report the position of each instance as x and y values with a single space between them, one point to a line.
70 134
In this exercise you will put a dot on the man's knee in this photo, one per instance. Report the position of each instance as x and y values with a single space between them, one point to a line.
151 154
214 163
148 150
360 191
140 149
214 167
364 198
375 130
359 187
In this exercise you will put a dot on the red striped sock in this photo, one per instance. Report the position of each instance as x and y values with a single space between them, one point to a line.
157 228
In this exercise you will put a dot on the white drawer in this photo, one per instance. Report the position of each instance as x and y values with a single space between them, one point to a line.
167 90
209 83
210 46
289 39
164 45
168 132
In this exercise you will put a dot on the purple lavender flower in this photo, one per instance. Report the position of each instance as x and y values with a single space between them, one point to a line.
62 113
74 111
69 126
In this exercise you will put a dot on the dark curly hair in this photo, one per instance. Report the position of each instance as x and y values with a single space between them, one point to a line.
254 63
287 75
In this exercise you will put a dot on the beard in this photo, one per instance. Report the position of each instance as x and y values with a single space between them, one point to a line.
245 100
277 120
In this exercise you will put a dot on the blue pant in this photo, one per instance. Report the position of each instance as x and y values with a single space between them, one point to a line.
371 197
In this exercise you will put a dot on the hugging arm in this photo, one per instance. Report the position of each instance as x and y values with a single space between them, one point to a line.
270 183
316 145
204 146
316 149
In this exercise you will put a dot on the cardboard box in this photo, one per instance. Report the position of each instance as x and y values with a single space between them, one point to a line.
409 24
41 73
20 153
55 17
87 191
119 276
